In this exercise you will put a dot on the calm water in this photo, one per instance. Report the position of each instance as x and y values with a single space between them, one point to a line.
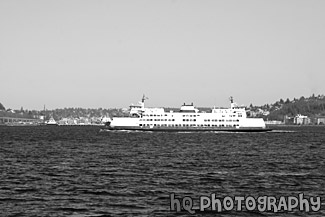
80 171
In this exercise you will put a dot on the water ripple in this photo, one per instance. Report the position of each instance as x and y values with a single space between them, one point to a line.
82 172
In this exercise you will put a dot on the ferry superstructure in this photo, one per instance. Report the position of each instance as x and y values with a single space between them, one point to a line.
187 118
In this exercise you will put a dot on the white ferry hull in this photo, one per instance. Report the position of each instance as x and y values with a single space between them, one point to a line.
189 129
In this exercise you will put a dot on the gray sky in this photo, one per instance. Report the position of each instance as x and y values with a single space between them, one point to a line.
108 53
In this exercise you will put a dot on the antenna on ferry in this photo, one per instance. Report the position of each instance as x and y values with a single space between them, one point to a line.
144 98
232 104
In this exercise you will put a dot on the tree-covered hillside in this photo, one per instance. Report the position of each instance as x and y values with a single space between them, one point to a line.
312 106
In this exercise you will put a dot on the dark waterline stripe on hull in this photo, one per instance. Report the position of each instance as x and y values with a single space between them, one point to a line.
173 129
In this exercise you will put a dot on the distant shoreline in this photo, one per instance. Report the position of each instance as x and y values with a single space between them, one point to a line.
294 125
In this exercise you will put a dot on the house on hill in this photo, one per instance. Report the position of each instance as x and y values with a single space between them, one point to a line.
301 120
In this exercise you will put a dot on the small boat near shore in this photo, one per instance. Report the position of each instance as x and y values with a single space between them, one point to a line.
51 121
187 118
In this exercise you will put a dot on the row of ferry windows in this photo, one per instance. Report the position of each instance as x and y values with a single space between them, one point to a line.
189 125
213 120
161 115
206 120
239 115
191 115
153 115
220 120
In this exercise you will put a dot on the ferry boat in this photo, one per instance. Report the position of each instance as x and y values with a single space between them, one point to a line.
187 118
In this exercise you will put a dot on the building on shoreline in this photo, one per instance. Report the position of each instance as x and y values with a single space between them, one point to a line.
320 120
301 120
273 122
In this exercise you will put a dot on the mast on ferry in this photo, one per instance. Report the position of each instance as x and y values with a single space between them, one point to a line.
232 104
144 98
